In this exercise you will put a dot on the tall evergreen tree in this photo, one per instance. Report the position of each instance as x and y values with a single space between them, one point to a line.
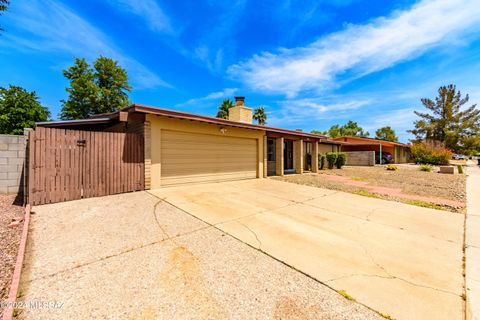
20 109
95 90
447 120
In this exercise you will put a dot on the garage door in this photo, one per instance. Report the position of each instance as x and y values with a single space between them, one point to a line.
193 158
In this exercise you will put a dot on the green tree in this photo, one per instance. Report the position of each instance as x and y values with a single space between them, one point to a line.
3 7
223 108
260 115
95 90
447 120
20 109
351 128
112 81
83 92
386 133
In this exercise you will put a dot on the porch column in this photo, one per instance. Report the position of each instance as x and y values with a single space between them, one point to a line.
315 156
279 157
298 156
264 156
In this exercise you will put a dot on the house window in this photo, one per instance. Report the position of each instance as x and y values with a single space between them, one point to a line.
270 150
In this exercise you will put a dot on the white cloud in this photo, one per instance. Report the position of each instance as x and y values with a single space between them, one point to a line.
49 26
148 10
400 120
359 49
225 93
298 111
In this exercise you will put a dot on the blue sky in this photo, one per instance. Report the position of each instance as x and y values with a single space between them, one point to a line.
310 63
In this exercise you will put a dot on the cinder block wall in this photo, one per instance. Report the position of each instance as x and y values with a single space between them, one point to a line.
360 158
12 158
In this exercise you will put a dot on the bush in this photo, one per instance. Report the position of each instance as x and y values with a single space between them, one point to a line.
341 160
424 154
391 167
322 161
331 159
426 167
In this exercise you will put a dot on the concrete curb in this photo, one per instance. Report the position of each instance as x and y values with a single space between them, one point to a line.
472 245
12 295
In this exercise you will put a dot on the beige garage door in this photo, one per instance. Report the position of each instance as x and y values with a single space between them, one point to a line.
192 158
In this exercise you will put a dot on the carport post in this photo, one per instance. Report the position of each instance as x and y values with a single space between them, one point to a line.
380 159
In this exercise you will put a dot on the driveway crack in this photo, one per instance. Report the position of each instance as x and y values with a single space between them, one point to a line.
254 234
390 275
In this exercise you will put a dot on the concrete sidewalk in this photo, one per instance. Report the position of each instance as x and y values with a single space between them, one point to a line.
472 243
401 260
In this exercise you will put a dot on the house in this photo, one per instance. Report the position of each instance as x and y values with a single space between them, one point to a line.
399 151
183 147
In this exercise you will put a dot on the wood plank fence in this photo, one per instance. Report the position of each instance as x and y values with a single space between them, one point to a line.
70 164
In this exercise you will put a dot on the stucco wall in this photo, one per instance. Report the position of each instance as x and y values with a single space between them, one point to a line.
324 148
159 123
360 158
12 158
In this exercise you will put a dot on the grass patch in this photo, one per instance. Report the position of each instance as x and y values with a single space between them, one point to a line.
387 316
424 204
369 194
346 295
358 178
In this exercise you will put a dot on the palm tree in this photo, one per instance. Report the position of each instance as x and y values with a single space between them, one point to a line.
223 108
260 115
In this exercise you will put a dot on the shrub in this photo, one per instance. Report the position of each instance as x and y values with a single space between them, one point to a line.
322 161
331 159
426 167
391 167
341 160
429 154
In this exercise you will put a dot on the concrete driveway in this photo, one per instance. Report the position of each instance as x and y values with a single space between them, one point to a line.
401 260
134 256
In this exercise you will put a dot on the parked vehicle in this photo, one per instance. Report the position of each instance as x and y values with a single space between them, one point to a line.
459 157
386 157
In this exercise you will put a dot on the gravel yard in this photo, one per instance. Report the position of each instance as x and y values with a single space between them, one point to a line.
407 180
9 241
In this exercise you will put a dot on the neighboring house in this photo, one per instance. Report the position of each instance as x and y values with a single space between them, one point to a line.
184 148
399 151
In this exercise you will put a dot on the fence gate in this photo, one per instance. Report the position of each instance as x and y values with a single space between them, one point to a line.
70 164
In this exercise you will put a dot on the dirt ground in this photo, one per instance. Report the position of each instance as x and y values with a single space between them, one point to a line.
10 211
407 181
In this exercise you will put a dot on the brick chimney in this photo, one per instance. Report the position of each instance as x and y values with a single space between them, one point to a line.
240 112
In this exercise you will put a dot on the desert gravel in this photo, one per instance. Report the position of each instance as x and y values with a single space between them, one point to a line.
407 178
191 271
10 211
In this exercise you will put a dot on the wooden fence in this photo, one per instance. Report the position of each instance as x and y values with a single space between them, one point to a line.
69 164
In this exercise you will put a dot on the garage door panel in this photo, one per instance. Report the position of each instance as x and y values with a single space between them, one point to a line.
194 158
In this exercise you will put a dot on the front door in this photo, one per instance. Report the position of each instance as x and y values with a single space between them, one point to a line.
271 157
307 156
288 155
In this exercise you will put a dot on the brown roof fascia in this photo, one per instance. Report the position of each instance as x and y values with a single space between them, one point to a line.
196 117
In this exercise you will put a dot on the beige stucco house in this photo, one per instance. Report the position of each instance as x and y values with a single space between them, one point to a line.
183 148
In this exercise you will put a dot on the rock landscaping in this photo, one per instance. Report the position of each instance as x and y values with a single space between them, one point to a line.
405 184
11 223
